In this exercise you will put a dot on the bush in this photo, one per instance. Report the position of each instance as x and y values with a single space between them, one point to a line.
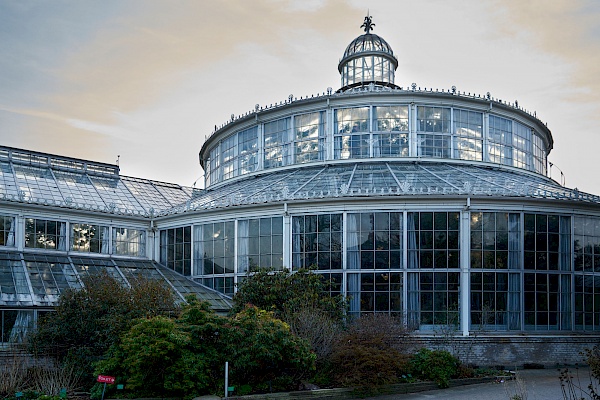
434 365
369 353
263 352
186 357
88 321
285 293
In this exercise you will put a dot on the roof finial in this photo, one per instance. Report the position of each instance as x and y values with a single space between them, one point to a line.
368 24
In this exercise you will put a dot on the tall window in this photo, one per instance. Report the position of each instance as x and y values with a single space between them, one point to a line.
539 155
89 238
176 249
521 145
391 124
214 255
586 249
228 156
260 244
317 241
433 242
374 240
433 139
309 137
351 136
277 138
45 234
248 148
129 242
213 169
500 140
7 230
547 294
370 292
433 299
547 242
468 128
495 295
586 246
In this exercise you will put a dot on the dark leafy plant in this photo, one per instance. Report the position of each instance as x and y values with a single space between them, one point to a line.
87 322
435 365
285 293
186 357
371 352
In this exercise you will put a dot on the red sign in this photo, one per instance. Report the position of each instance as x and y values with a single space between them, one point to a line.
106 379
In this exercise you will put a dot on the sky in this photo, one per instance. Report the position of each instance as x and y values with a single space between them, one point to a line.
146 81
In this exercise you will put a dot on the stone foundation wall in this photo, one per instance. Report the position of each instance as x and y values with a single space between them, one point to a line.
514 351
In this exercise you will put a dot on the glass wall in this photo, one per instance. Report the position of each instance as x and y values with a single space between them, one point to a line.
496 258
277 142
90 238
176 249
214 255
367 69
468 129
500 140
45 234
7 231
351 136
586 249
378 131
521 145
129 242
309 137
15 325
260 244
317 241
433 125
391 123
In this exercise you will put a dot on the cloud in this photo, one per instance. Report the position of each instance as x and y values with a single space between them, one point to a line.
569 29
136 57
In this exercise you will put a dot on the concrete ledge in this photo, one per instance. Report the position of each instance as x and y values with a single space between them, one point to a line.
349 393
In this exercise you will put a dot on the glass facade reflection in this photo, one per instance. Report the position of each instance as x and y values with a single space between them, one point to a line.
379 131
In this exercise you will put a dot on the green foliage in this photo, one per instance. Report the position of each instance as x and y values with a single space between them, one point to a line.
435 365
186 357
154 358
88 321
368 353
284 293
264 353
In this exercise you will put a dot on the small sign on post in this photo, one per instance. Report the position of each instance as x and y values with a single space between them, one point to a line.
105 379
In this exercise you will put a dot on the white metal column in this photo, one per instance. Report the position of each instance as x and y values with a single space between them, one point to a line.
465 233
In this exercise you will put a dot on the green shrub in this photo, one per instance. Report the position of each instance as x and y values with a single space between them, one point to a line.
88 321
435 365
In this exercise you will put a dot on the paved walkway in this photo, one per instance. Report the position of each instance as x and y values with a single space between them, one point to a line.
540 384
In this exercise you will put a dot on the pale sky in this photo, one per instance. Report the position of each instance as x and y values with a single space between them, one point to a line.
147 80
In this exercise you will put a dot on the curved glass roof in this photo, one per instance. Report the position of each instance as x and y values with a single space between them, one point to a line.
383 179
369 42
38 279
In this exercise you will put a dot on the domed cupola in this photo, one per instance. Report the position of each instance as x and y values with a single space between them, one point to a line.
368 59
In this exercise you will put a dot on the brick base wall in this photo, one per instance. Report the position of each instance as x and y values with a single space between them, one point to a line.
514 351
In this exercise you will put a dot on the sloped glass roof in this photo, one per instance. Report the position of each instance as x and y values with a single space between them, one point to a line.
38 178
392 179
28 279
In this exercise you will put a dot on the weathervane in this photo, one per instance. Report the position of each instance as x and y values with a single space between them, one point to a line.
368 24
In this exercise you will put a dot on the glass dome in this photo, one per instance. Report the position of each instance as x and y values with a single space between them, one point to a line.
367 59
369 42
